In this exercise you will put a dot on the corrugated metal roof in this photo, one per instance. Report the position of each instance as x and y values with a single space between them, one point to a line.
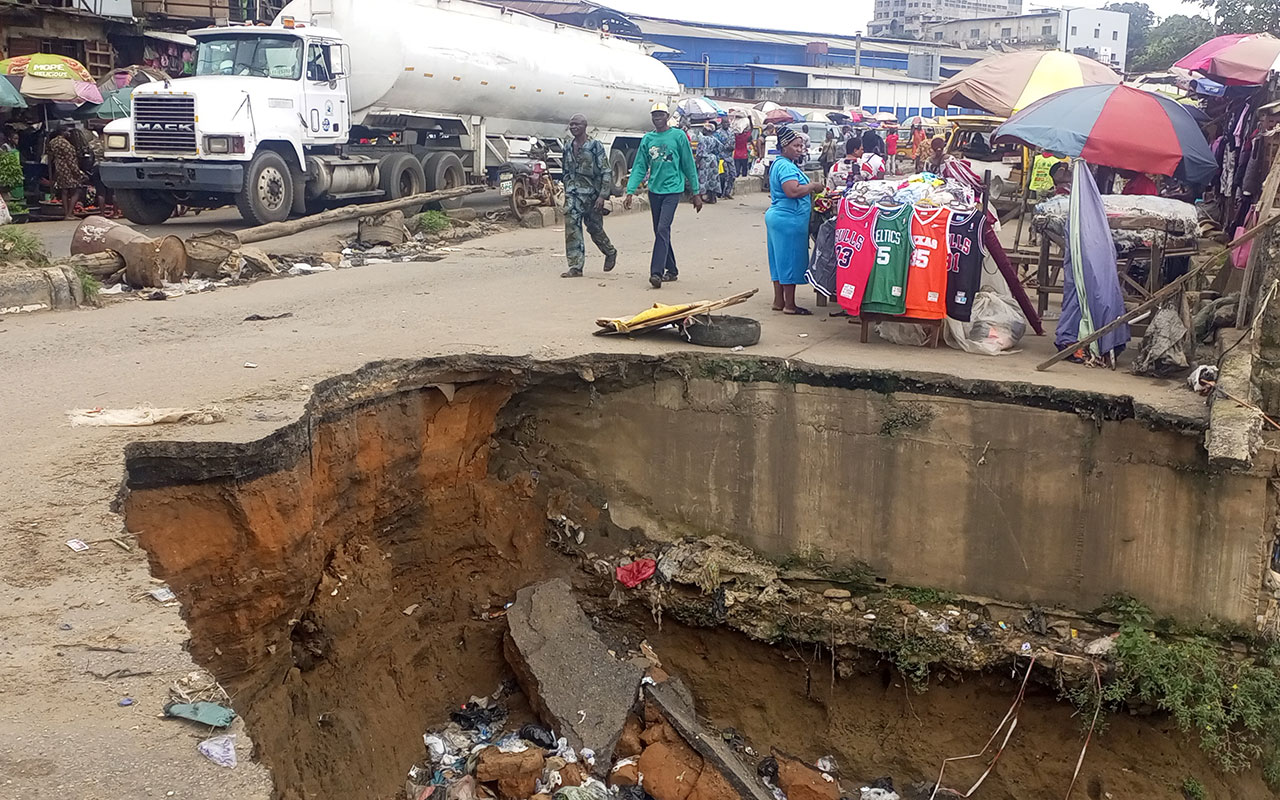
892 75
654 26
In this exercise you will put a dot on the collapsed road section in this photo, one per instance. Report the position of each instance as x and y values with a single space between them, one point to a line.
878 567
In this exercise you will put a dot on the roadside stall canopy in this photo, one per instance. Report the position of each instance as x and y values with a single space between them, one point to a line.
1236 59
1004 84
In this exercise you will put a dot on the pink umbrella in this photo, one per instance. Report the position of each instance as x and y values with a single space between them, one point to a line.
1238 58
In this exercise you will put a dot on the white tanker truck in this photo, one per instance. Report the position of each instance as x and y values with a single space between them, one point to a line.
346 99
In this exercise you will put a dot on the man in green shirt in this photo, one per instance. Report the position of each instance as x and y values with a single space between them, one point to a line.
667 158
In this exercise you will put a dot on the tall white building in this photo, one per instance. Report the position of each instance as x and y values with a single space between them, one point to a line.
1100 35
912 16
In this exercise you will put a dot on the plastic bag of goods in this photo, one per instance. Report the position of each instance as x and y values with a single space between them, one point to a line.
995 327
757 169
908 333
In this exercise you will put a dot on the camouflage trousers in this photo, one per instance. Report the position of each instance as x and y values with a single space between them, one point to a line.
580 210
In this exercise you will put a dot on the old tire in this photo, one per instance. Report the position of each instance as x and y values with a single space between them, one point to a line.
401 175
267 194
620 171
145 206
723 331
445 171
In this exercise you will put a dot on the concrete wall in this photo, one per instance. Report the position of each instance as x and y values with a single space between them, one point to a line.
988 498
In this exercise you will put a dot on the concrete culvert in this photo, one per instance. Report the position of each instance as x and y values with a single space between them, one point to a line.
360 574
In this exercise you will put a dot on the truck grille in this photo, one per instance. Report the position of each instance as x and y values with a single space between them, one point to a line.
164 124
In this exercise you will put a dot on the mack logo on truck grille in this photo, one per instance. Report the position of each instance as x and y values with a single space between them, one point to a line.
164 124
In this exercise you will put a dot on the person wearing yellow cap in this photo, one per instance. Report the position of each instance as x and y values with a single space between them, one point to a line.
666 157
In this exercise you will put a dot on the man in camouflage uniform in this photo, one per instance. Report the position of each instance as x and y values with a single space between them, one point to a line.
587 183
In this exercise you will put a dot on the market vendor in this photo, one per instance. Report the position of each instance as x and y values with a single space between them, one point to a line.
1060 174
1137 183
65 174
787 221
848 169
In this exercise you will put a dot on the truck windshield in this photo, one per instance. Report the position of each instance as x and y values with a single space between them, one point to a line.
261 56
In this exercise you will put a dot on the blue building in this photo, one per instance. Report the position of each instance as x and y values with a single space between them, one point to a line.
793 68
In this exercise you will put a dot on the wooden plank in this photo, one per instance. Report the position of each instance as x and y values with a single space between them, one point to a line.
1266 203
275 230
1167 291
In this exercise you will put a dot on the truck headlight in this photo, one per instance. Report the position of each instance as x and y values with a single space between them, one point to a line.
117 141
224 144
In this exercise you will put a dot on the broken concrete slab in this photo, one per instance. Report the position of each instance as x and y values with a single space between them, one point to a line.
573 683
1235 432
679 713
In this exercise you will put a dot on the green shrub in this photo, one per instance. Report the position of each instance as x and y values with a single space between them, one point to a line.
432 221
1193 789
18 244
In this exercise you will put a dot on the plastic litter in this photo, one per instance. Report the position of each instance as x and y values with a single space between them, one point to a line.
828 764
213 714
767 769
637 572
869 793
539 736
1202 378
221 750
478 713
591 789
126 701
77 545
162 594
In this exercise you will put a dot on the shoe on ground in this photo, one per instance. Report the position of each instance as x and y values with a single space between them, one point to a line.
610 261
655 281
670 277
573 273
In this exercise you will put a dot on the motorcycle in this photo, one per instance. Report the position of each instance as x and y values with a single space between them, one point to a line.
527 184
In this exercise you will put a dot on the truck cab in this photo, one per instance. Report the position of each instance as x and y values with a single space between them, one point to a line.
264 102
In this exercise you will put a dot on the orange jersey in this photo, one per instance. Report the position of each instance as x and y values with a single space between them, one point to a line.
927 269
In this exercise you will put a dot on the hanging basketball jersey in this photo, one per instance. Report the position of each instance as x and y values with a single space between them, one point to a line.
964 275
887 286
855 254
927 275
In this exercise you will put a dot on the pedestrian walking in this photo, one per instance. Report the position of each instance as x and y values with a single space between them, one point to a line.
587 183
64 167
742 150
728 171
707 159
665 156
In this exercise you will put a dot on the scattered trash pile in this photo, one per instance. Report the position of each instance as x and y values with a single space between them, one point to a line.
199 698
612 728
390 238
712 581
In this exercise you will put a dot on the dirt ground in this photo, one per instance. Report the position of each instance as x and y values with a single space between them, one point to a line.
64 733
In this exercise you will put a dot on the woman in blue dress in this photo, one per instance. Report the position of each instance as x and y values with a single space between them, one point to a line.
786 222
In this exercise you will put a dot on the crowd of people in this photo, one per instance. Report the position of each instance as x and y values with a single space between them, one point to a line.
57 160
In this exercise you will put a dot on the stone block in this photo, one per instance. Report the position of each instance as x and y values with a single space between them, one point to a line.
670 770
802 782
495 765
572 681
629 743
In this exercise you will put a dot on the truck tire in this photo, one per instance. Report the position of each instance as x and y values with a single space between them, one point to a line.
267 194
621 171
401 175
445 171
145 206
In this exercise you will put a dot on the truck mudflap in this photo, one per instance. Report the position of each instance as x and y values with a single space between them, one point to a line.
177 176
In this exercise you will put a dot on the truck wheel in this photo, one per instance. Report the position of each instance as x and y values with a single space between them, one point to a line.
267 195
445 171
621 172
145 206
401 175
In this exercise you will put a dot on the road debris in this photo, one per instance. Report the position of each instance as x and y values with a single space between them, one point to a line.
221 750
78 545
142 416
213 714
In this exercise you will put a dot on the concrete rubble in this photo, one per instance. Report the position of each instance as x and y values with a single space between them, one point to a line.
573 682
613 730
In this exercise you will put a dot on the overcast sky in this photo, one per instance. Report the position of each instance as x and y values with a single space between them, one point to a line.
828 16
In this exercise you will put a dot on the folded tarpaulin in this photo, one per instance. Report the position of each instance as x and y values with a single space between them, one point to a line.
1091 296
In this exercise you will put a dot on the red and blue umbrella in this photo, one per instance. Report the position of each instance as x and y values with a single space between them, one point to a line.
1116 126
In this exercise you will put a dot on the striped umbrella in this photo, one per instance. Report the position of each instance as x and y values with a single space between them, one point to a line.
1003 84
1236 59
1116 126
